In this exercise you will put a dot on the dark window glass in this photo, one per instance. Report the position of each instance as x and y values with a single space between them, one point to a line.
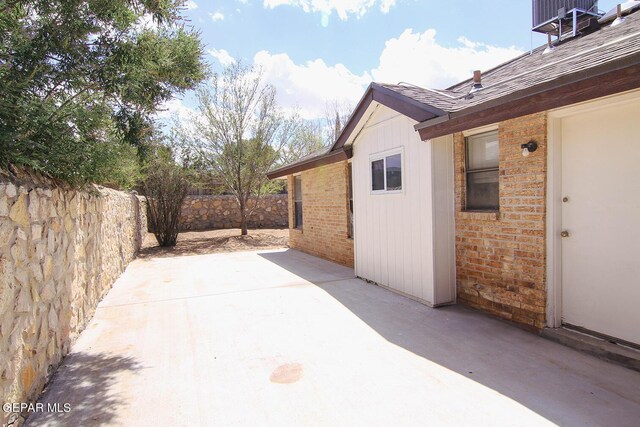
394 172
350 184
298 208
482 191
482 172
297 199
377 175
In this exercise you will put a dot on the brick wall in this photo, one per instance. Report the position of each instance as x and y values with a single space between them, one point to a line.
500 257
325 208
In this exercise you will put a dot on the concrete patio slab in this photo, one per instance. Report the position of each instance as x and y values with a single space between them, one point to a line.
280 338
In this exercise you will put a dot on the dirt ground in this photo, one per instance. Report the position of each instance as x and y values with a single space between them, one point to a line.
215 241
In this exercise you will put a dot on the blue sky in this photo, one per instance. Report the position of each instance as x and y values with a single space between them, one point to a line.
319 51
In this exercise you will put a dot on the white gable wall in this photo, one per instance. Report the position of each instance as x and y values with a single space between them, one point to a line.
404 241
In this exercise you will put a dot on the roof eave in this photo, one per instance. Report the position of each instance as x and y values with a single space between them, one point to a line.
314 162
402 104
375 93
604 80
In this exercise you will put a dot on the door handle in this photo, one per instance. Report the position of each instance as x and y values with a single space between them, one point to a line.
564 233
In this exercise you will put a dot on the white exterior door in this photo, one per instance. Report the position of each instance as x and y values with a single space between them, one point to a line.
601 214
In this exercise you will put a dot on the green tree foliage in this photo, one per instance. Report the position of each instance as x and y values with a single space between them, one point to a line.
165 186
81 79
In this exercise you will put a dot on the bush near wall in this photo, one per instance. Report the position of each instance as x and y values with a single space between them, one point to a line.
212 212
61 250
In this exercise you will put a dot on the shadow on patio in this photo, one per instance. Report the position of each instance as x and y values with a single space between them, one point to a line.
558 383
85 382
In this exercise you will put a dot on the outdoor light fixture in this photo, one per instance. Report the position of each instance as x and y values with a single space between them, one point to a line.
529 147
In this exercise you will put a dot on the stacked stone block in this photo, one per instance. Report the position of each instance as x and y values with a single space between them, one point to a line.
215 212
61 250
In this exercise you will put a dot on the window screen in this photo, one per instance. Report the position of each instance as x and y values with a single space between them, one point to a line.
377 175
350 185
482 171
394 172
386 173
297 199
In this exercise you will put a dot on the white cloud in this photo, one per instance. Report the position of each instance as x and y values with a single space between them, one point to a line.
217 16
411 57
190 5
415 58
385 5
419 59
311 85
222 56
343 8
175 108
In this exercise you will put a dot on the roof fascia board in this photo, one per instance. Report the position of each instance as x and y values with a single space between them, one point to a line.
362 123
397 102
362 106
326 159
432 122
607 79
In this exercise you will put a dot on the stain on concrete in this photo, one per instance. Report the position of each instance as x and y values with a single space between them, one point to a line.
287 374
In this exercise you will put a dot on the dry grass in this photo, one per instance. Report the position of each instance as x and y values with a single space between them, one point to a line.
216 241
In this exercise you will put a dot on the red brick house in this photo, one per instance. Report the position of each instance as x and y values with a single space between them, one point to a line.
516 192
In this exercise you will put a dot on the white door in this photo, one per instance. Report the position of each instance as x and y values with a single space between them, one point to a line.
601 213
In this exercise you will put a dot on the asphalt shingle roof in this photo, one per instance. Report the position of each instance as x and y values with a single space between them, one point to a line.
442 99
575 55
572 58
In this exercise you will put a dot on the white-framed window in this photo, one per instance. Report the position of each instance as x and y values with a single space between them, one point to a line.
386 172
482 172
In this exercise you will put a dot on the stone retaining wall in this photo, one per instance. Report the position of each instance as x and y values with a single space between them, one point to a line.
212 212
61 250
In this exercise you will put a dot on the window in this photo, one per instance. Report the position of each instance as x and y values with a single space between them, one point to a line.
350 193
482 172
386 173
297 201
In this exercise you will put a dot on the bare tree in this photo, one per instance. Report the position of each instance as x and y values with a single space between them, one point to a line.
312 135
337 115
240 133
308 137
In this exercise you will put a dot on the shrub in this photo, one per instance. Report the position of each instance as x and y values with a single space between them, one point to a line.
165 187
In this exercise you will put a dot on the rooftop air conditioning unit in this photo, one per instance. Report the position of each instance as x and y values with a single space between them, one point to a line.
560 16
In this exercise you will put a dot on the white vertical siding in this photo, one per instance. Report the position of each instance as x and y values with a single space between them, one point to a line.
396 234
444 219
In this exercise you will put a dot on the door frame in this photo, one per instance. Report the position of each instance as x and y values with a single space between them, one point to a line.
554 194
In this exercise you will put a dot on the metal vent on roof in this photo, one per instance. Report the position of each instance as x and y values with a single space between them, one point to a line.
625 8
560 17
